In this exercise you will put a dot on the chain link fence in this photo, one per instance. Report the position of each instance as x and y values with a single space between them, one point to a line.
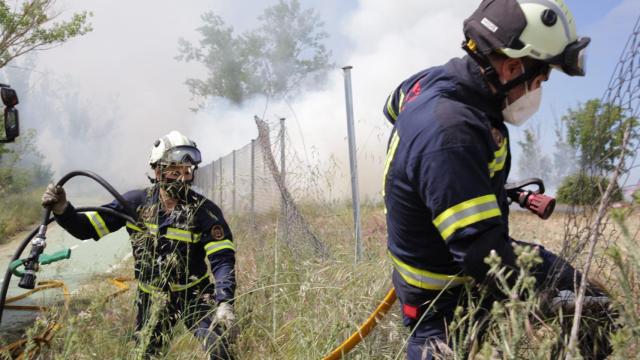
251 185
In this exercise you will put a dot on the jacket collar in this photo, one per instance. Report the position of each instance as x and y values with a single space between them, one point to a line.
473 89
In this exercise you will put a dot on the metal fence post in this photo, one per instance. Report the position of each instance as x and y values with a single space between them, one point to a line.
212 189
220 188
283 206
353 162
233 189
253 181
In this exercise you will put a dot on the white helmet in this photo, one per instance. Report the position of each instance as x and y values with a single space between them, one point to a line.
539 29
174 148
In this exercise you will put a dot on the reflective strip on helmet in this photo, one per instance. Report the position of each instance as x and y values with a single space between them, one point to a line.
499 159
181 235
98 223
215 246
393 146
466 213
426 279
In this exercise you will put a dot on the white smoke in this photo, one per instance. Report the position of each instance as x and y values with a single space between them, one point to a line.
126 76
391 42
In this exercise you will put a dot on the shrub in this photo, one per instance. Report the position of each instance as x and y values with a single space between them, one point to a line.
584 189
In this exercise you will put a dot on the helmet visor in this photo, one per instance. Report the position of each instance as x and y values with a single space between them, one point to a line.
183 154
572 61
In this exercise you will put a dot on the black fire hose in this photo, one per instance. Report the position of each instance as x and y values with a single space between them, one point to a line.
31 262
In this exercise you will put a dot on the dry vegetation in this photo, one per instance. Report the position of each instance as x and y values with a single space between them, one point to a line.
295 305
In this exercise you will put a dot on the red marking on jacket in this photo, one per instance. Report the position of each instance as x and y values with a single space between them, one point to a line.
410 311
413 92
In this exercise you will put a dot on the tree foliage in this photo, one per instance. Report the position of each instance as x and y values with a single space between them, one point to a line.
596 131
31 25
279 55
585 189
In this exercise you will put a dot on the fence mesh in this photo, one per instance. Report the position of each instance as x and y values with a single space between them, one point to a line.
251 185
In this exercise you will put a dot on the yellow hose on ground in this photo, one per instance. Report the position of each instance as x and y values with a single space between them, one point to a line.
365 328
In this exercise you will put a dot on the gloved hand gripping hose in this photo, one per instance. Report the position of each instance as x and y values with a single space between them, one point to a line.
39 243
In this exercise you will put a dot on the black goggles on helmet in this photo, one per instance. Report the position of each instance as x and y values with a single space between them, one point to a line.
572 60
182 154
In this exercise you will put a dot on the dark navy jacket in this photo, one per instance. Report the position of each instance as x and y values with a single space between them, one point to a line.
447 163
169 250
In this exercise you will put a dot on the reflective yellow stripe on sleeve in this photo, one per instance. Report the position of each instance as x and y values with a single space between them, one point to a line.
393 146
390 110
133 227
98 223
215 246
394 111
426 279
152 228
466 213
499 159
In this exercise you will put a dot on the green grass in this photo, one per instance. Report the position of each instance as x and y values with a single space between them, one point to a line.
18 212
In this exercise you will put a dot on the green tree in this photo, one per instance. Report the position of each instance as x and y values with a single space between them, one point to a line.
279 55
30 25
596 131
585 189
533 162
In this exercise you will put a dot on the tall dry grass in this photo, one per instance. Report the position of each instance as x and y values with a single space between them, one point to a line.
292 305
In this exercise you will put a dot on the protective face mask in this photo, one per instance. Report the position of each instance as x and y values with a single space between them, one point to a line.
521 110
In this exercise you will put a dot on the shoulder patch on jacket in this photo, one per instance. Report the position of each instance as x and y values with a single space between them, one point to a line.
217 232
498 137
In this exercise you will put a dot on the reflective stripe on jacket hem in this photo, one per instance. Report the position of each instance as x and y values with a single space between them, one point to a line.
172 287
426 279
172 233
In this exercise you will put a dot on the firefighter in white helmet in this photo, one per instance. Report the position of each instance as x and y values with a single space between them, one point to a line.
178 231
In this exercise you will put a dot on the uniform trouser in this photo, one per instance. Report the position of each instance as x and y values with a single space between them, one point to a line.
429 333
159 312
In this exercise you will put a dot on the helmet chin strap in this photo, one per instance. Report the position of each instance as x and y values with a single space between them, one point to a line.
490 73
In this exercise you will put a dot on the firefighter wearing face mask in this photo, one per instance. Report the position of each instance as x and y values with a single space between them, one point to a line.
448 160
178 231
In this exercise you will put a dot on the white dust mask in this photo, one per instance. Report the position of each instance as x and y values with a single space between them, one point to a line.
521 110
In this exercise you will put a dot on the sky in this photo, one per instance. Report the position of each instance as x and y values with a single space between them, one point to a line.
130 88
